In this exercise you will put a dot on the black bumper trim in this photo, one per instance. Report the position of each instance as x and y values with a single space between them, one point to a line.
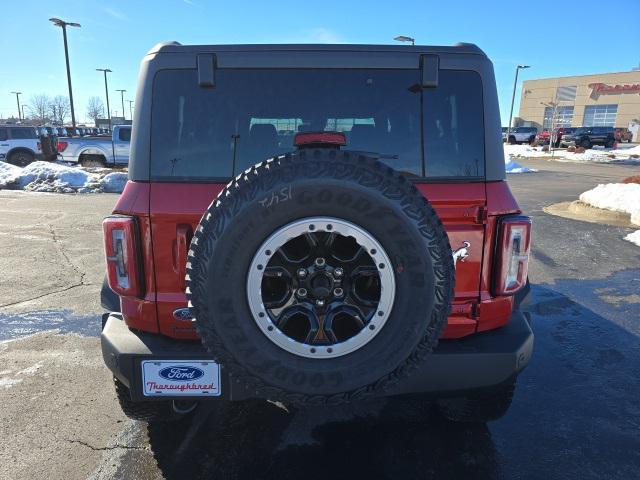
477 362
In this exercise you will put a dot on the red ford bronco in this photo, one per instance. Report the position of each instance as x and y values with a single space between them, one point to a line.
316 224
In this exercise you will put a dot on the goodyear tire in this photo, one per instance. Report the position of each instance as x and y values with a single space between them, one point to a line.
320 190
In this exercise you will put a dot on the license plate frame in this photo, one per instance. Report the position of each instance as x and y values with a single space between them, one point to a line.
180 378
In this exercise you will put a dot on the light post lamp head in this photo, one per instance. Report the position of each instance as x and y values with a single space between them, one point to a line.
61 23
404 38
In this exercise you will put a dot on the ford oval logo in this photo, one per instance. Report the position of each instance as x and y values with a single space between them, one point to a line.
181 373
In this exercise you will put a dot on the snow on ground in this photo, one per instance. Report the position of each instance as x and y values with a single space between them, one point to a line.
634 237
619 197
58 178
511 166
9 174
596 154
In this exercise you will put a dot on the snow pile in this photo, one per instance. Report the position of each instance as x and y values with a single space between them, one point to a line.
9 175
511 166
47 176
596 154
114 182
58 178
619 197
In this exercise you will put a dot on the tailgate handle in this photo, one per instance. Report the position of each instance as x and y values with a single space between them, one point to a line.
183 239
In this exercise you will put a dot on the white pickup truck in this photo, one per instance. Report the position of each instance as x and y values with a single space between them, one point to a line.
97 151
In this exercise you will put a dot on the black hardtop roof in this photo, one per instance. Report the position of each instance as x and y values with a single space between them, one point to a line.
458 48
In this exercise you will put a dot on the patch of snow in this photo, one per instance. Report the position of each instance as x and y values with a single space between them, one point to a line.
619 197
114 182
9 175
634 237
511 166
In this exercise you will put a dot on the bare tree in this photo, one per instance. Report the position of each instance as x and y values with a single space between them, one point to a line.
39 106
60 108
95 108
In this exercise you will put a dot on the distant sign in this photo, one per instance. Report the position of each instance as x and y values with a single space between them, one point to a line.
604 89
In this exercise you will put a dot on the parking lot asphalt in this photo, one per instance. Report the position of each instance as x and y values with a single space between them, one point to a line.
576 412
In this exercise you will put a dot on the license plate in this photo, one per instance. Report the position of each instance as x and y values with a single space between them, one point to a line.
187 378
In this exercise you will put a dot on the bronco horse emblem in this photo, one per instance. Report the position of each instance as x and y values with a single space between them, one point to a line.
461 253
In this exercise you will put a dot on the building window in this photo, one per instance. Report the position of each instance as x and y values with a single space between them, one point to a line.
600 115
563 117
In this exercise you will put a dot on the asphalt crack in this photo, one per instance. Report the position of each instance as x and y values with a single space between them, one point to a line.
37 297
62 251
106 448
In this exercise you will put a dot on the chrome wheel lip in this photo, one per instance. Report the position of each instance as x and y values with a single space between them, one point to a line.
319 224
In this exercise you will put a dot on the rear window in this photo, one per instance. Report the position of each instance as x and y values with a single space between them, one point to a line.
202 134
22 133
124 135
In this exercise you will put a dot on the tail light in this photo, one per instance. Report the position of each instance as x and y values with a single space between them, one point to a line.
512 254
62 145
121 250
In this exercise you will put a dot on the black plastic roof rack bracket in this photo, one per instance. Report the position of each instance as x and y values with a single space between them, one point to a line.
206 70
430 67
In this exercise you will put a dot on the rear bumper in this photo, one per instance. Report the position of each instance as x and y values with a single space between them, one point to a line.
456 367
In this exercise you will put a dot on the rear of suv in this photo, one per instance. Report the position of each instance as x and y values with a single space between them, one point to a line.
316 225
522 135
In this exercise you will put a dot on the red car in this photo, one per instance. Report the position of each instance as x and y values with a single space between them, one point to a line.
305 224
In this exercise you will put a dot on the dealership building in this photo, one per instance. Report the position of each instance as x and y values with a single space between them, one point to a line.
607 99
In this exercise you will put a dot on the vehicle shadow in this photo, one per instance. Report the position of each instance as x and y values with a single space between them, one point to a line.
576 414
389 438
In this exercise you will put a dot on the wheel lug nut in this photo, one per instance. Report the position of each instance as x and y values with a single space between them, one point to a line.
302 292
302 273
338 272
320 303
320 262
338 292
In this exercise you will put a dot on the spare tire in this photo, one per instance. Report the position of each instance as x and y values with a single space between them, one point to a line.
320 276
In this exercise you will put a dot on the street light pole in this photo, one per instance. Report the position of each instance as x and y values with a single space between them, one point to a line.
23 116
122 100
513 96
62 24
17 94
130 110
106 91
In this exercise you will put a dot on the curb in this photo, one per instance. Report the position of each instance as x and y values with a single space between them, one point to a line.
578 210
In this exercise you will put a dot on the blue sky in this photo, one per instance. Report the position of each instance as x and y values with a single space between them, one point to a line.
589 37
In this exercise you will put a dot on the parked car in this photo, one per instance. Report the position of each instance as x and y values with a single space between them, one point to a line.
587 137
305 268
97 151
504 134
522 135
20 145
543 137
